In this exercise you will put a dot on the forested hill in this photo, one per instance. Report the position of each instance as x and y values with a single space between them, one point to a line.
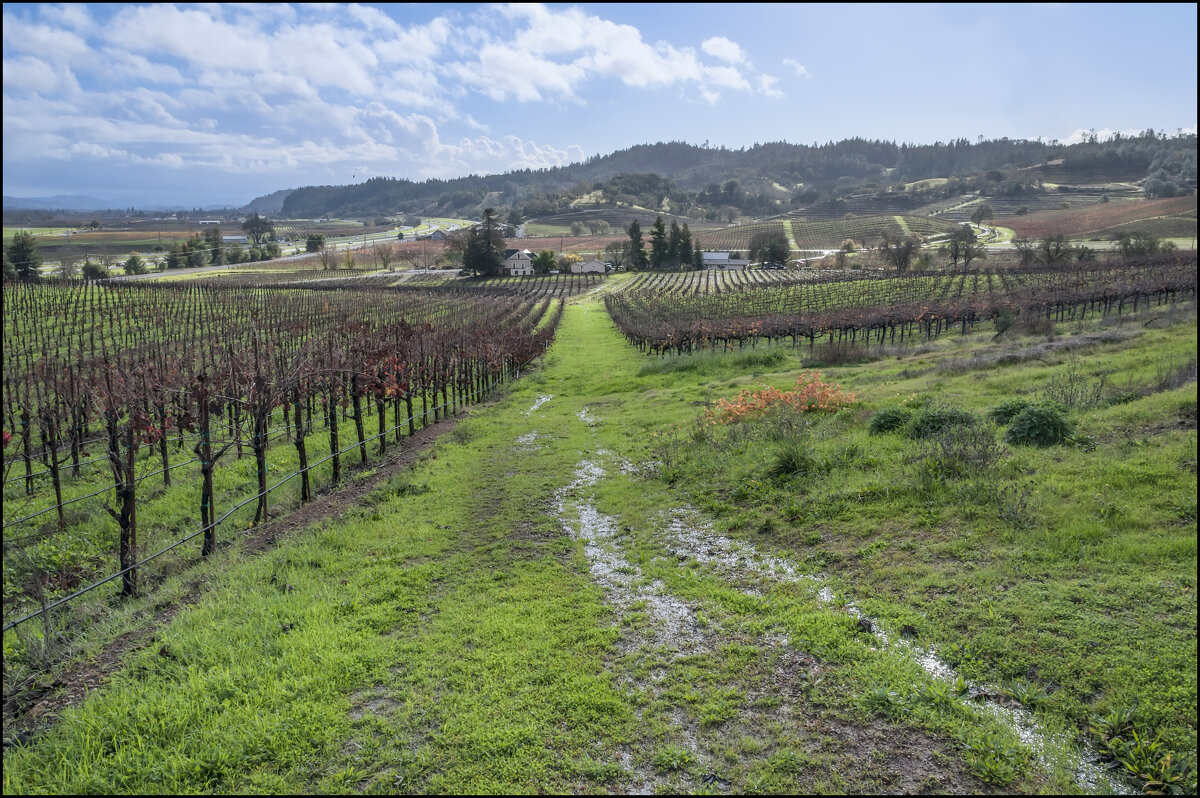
771 175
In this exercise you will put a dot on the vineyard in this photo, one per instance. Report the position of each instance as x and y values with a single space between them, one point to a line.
821 235
440 283
139 417
1105 217
669 313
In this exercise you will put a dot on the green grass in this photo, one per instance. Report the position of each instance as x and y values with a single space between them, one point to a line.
1073 566
449 635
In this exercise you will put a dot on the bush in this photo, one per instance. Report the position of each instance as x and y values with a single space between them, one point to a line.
890 419
1039 425
933 420
1006 411
94 271
964 449
810 394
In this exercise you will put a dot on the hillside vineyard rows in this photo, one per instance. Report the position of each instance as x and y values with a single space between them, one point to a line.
683 313
108 390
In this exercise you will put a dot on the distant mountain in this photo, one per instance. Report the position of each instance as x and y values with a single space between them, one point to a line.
60 202
719 183
270 205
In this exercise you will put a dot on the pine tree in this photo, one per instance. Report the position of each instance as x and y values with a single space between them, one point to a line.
637 248
658 244
24 256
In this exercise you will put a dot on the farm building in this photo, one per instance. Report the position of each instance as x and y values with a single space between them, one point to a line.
437 235
588 267
235 239
721 260
517 262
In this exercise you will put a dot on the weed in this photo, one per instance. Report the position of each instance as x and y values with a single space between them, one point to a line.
1025 692
1148 760
1117 722
939 696
794 460
993 759
1174 375
1072 388
672 759
962 450
1013 505
884 700
810 394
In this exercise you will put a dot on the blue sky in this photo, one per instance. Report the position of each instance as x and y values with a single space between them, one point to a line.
195 105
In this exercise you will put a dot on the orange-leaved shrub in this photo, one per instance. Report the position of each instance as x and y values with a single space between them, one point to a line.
810 394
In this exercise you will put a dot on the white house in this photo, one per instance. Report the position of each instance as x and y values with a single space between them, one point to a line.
517 262
721 260
588 267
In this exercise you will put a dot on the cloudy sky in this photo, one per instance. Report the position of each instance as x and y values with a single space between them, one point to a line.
197 105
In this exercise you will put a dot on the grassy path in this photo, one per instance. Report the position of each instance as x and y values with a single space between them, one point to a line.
528 610
793 245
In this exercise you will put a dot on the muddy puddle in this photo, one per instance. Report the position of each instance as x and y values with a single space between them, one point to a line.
688 535
652 619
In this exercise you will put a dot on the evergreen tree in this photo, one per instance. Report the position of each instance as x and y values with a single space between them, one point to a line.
658 244
675 246
637 248
24 256
482 253
685 247
259 229
215 246
697 258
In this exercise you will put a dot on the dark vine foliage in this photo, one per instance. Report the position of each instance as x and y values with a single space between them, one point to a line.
140 370
670 314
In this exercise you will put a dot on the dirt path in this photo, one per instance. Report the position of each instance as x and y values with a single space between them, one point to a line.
774 703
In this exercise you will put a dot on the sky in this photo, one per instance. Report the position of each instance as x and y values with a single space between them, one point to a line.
197 105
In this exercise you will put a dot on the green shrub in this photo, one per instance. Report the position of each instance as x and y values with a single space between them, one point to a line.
890 419
1038 426
932 420
1006 411
794 459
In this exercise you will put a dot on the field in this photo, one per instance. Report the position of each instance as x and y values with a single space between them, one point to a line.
795 532
1174 215
881 613
817 235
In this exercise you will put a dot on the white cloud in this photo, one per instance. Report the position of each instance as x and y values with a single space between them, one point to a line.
724 49
315 90
27 73
766 85
1080 135
557 50
797 67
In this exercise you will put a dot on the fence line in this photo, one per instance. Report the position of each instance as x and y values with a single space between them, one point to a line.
8 464
19 521
236 507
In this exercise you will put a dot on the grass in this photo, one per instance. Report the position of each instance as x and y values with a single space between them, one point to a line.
588 596
1071 569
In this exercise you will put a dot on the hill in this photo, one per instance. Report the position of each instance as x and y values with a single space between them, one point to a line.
720 184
